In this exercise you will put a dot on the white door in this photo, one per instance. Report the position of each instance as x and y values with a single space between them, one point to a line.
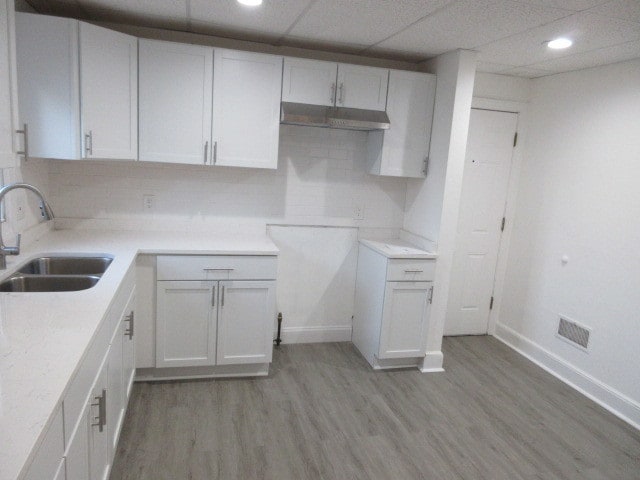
98 435
186 323
109 93
309 81
246 109
7 85
176 86
246 314
128 348
115 390
362 87
482 206
77 454
404 316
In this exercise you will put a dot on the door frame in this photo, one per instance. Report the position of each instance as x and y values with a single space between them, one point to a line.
519 108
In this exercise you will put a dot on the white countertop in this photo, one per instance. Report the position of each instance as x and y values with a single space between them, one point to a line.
397 248
44 336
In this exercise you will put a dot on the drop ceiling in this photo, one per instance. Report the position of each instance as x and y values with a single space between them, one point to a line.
508 34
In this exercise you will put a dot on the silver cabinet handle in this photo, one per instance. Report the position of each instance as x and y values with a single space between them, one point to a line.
129 331
425 170
431 295
341 99
88 143
213 296
206 151
333 93
102 410
218 269
25 151
215 152
413 271
222 299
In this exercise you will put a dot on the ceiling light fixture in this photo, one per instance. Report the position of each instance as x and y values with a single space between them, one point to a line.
559 43
250 3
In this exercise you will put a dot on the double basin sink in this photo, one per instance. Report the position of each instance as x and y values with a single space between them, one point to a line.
57 274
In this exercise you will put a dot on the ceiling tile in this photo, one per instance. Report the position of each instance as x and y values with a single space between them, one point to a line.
488 67
363 22
469 23
527 72
574 5
624 9
594 58
150 8
273 17
588 31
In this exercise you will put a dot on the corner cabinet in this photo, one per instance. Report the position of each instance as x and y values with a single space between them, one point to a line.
246 109
392 307
215 311
78 89
403 150
330 84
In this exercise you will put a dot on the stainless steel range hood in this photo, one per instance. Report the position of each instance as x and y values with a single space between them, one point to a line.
333 117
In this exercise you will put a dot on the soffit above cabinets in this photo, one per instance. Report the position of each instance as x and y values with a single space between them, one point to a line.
508 34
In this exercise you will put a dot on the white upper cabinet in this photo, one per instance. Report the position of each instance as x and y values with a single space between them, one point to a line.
8 123
362 87
176 87
309 81
109 93
325 83
403 150
49 95
246 109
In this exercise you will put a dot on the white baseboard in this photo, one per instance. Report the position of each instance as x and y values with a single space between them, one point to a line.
617 403
432 362
316 334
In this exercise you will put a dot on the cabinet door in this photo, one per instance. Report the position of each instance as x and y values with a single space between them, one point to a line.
115 390
77 454
186 323
246 109
109 93
49 95
246 314
402 150
362 87
176 86
61 473
7 85
98 432
128 347
404 316
309 81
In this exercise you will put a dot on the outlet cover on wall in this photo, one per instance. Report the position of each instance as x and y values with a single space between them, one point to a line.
358 213
148 202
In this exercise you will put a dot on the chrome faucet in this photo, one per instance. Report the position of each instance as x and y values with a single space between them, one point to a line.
45 209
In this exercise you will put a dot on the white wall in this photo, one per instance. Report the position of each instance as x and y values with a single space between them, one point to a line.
579 196
320 180
502 87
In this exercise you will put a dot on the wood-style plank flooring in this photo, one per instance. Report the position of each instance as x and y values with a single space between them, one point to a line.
324 414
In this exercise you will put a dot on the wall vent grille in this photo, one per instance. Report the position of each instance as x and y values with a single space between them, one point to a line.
574 333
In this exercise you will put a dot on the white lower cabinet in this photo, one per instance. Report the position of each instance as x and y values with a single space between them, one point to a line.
61 473
209 321
98 406
77 452
392 306
128 347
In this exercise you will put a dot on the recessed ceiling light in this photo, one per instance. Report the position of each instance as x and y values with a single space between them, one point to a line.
559 43
250 3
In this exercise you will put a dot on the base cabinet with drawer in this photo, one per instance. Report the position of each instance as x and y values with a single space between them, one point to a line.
392 306
215 310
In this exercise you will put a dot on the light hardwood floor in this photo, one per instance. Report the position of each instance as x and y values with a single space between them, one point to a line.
324 414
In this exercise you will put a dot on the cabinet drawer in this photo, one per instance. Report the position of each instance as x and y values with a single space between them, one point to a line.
47 460
408 270
220 267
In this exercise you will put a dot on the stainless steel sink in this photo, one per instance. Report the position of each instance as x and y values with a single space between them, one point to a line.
48 283
66 266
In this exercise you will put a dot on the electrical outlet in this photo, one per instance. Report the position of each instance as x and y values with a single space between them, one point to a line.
148 203
358 213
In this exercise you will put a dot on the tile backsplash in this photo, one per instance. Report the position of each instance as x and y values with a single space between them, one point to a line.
321 180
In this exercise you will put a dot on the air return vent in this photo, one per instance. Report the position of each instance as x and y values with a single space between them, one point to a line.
574 333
